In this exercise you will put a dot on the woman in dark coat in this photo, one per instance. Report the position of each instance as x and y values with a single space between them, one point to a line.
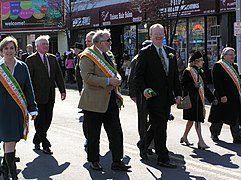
17 100
194 85
227 91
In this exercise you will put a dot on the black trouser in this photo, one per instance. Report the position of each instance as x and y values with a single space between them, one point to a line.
111 121
79 79
215 129
143 126
158 118
42 123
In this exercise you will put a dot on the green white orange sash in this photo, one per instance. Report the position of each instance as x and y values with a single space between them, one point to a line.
231 72
195 78
106 68
15 91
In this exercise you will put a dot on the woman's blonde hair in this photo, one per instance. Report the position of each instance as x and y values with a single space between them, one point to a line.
8 40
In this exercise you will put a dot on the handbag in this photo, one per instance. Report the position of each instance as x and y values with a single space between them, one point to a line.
185 103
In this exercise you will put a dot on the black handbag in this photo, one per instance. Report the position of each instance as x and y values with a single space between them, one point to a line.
185 103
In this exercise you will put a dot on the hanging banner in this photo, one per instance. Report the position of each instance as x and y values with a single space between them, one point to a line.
36 14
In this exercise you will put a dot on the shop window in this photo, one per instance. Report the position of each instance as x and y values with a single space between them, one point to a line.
180 39
130 40
142 34
213 32
196 34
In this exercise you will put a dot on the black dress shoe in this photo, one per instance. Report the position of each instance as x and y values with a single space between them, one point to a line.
149 152
47 151
237 140
95 166
17 159
143 155
215 138
166 164
37 147
120 166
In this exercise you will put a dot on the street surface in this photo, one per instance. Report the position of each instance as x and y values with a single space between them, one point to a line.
221 162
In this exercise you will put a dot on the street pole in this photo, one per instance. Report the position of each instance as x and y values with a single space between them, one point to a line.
238 38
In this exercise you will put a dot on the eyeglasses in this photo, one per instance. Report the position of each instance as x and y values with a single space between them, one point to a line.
231 55
108 40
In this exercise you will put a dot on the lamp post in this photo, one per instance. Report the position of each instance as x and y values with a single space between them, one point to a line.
238 37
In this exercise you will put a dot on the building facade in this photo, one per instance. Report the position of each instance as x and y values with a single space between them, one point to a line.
198 28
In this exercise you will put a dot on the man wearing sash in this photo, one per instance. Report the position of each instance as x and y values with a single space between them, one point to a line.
226 82
17 100
101 100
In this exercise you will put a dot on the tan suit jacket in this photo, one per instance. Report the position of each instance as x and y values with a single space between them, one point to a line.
96 93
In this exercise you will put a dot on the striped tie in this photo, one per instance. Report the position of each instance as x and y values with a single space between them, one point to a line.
163 61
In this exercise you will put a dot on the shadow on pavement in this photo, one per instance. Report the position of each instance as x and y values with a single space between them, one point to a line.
214 158
167 173
43 167
107 173
230 146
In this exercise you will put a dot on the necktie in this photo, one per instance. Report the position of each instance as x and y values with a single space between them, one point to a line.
163 61
108 60
46 63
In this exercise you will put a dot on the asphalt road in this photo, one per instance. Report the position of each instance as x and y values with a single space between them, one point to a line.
222 161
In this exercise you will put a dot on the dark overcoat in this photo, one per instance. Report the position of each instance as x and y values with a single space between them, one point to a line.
11 116
229 112
196 113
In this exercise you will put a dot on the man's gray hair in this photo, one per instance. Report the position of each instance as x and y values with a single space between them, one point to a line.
99 35
154 26
40 38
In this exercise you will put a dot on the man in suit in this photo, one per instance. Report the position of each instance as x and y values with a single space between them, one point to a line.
29 49
101 101
78 48
158 80
45 73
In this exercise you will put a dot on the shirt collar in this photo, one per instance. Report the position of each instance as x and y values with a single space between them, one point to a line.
2 61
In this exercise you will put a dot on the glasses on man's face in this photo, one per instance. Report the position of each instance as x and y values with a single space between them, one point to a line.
107 40
231 55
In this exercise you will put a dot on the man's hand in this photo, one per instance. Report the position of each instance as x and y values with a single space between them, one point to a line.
133 99
115 82
63 96
224 99
178 99
146 94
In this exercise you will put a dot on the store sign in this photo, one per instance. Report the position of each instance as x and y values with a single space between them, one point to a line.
86 19
121 14
16 15
227 5
196 7
237 28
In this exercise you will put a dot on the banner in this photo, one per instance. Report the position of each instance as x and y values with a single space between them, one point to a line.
36 14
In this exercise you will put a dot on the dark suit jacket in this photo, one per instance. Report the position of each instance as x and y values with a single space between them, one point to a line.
43 85
150 74
24 56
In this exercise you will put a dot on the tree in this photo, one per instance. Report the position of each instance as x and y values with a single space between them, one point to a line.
166 12
69 10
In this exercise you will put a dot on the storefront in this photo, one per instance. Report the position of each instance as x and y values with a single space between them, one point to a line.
198 27
122 22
